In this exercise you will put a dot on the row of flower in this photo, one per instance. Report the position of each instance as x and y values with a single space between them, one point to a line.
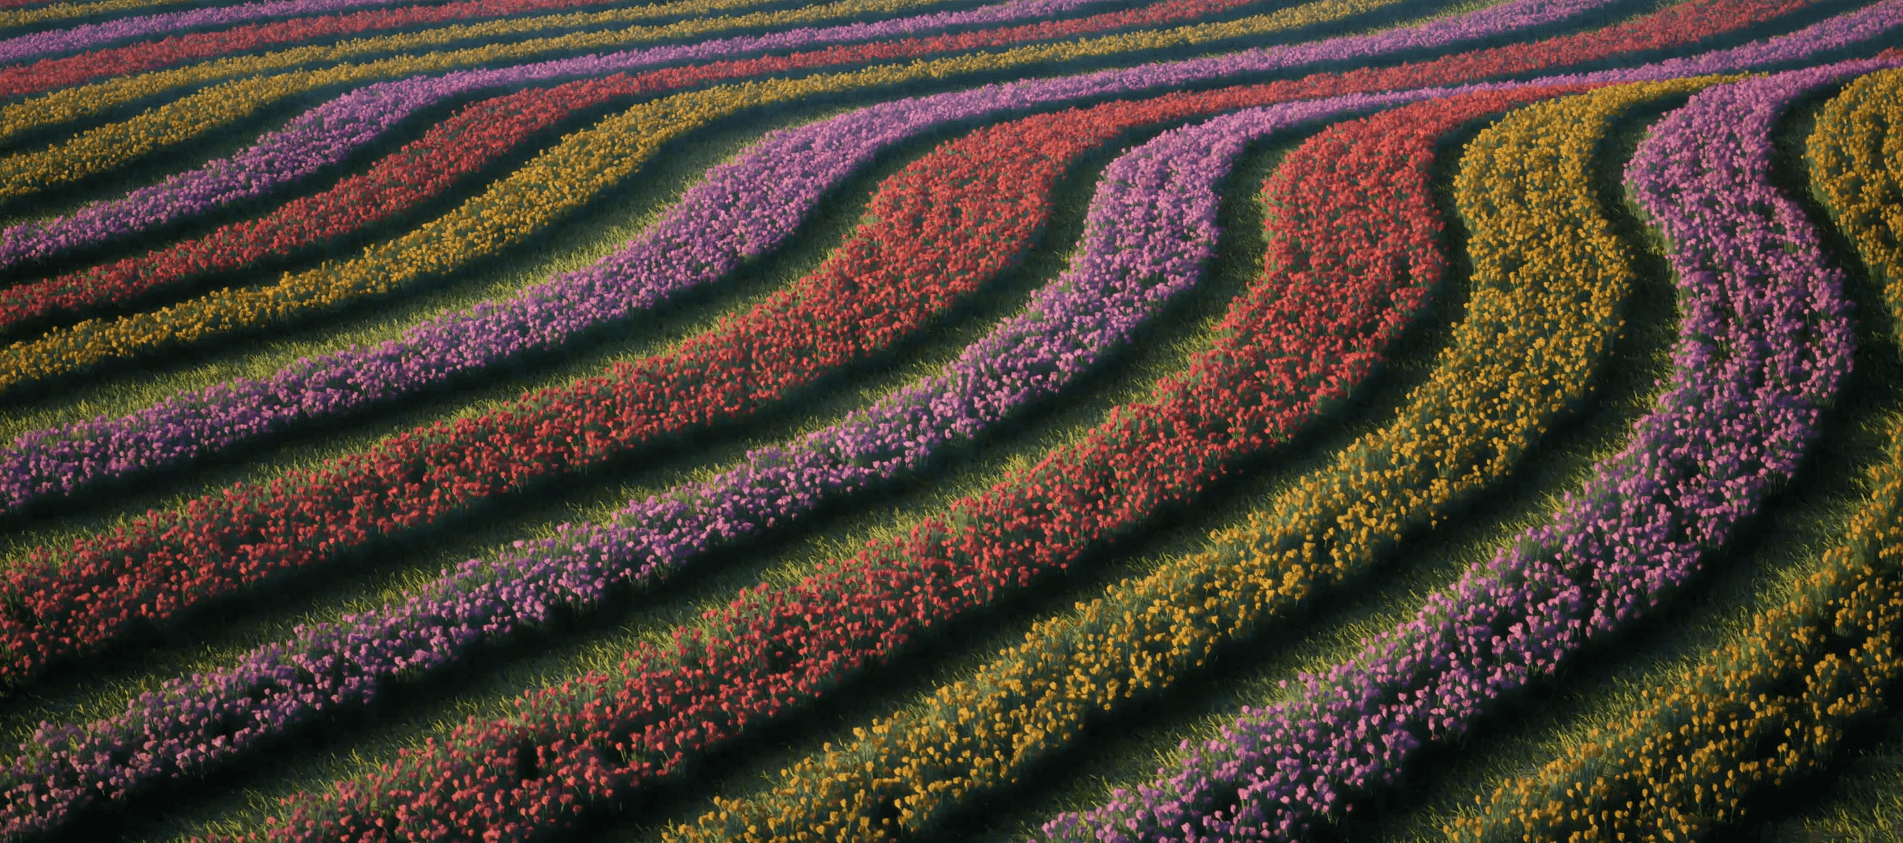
187 555
1765 339
1148 233
429 166
322 137
275 77
62 459
307 517
187 118
775 651
1774 706
322 19
14 13
913 263
326 134
1356 246
88 35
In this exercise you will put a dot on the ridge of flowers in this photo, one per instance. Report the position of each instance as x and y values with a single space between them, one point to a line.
87 35
214 99
1773 706
1355 249
60 459
326 134
886 281
775 649
15 12
1134 256
1765 341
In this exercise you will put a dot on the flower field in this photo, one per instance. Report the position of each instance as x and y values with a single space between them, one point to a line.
951 420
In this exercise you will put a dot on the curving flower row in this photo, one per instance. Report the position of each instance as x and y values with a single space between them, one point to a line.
213 99
1774 706
88 35
1764 341
62 459
774 650
325 135
322 20
101 149
1146 236
892 276
451 150
1355 248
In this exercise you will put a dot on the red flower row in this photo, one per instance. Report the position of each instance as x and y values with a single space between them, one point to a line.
60 72
886 281
774 650
49 74
472 139
914 261
1300 337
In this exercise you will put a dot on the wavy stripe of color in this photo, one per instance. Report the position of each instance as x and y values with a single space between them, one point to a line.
1764 341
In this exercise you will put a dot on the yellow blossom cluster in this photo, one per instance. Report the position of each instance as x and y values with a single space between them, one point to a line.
1774 704
1548 279
556 182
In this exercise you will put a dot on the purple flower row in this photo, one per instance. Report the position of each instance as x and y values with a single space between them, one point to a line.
1765 339
1135 232
328 133
1149 232
87 36
745 208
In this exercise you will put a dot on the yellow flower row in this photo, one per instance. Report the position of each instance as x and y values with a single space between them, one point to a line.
100 149
1774 704
1547 282
67 11
193 116
559 180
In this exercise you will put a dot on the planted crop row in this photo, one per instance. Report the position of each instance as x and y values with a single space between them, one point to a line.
914 263
63 459
1765 339
776 650
471 139
88 153
86 36
48 74
1775 706
1355 250
1097 304
100 149
320 138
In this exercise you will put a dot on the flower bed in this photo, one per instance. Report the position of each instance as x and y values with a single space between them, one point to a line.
1765 340
1094 306
59 460
1355 248
1774 706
